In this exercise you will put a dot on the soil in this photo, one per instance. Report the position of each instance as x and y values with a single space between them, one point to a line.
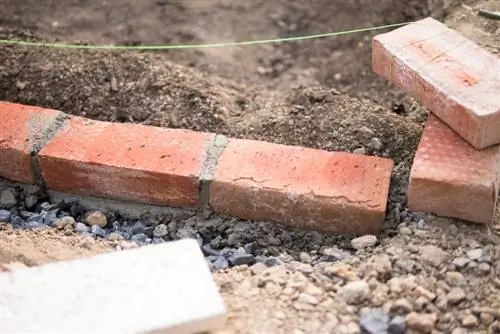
317 93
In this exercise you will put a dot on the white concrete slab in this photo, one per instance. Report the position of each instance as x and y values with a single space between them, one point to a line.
164 288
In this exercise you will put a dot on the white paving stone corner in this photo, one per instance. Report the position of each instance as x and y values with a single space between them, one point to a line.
163 288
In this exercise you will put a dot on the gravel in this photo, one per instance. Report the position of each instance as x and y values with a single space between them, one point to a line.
417 277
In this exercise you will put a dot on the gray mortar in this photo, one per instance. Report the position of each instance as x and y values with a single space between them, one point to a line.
39 138
214 150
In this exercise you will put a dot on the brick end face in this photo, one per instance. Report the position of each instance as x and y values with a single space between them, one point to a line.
450 75
125 161
451 178
20 131
304 188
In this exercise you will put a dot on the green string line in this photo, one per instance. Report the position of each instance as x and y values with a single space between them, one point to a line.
193 46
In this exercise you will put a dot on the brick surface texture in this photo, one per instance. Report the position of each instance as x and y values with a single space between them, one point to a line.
21 127
453 77
306 188
125 161
164 288
451 178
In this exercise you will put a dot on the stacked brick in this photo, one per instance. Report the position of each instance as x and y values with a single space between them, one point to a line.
456 169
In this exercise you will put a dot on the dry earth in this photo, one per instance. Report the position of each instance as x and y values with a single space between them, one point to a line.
440 274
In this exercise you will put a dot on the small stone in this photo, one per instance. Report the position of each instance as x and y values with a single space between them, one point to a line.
220 262
307 299
397 325
460 262
475 254
423 322
366 241
160 231
374 321
470 321
455 296
376 144
7 199
305 258
50 216
401 305
96 218
81 228
423 292
98 231
115 236
139 238
4 216
30 201
239 259
354 292
271 261
454 278
486 318
405 230
484 268
138 228
360 151
64 222
433 255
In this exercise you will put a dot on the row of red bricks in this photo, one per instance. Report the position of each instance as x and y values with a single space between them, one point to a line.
335 192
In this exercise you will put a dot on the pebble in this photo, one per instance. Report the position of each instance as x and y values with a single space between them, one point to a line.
405 230
366 241
423 322
307 299
30 201
454 278
50 217
81 227
374 321
64 222
4 215
96 218
397 325
160 231
98 231
460 262
432 255
354 292
475 254
139 238
138 228
115 236
470 321
484 268
7 199
238 259
456 296
220 262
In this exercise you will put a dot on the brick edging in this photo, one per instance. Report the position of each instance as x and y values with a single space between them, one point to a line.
334 192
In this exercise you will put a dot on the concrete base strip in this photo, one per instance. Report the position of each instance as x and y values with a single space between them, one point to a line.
163 288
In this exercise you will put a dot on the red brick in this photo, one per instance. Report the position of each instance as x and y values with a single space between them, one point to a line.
21 130
335 192
453 77
451 178
125 161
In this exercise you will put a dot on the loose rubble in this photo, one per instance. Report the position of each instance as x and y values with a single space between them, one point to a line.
422 280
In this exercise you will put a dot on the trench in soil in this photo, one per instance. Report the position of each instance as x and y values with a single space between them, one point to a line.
318 93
